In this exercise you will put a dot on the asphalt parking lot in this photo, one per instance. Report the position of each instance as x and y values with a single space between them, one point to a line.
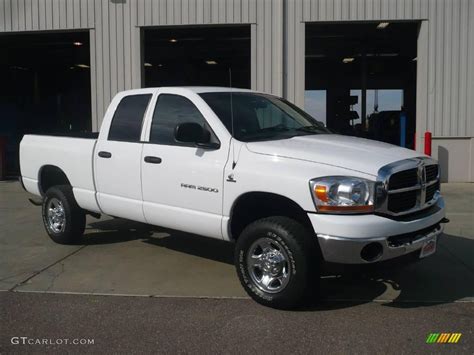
122 258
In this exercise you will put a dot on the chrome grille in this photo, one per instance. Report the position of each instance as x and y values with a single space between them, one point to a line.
405 178
432 172
407 186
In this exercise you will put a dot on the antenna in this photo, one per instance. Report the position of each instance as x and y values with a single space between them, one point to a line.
232 119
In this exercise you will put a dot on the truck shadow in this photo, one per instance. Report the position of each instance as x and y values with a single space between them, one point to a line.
446 277
121 230
111 231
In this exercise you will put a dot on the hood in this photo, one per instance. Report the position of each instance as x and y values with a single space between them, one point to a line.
359 154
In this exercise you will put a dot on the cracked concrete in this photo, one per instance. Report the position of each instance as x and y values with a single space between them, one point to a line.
122 257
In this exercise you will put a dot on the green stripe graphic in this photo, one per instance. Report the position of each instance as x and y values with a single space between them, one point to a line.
432 338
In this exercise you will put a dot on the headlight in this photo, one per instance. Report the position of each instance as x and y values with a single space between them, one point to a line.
343 194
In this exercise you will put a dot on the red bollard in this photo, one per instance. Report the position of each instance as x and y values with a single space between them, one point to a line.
428 143
414 141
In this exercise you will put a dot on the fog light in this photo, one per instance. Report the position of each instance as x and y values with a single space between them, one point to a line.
371 251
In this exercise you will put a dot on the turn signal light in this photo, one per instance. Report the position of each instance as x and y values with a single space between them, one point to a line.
321 193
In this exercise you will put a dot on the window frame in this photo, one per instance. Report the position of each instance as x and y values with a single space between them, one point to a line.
179 144
145 112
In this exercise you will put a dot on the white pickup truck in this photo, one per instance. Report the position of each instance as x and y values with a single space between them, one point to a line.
245 167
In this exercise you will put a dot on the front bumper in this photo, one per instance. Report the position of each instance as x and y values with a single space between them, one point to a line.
342 237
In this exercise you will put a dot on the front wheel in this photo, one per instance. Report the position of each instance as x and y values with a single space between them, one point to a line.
277 262
63 219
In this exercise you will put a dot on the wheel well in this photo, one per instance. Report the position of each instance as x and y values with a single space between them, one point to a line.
256 205
51 175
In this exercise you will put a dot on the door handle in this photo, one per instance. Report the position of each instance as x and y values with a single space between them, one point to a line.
152 160
103 154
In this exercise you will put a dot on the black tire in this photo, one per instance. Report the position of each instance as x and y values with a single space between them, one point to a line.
303 267
75 218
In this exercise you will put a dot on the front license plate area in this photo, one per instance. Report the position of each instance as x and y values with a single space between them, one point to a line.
428 248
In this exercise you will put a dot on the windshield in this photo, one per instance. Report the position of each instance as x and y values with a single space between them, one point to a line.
261 117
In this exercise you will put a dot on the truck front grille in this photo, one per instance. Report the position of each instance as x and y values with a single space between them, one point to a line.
431 190
409 186
405 178
402 201
432 172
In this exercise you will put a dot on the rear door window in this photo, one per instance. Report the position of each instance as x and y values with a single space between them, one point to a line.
127 122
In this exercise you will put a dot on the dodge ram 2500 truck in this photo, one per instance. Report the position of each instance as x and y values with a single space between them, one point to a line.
246 167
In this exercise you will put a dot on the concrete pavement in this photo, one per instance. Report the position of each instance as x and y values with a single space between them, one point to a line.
369 311
123 257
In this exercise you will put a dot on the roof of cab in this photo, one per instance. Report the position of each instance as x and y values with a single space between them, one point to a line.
202 89
195 89
185 89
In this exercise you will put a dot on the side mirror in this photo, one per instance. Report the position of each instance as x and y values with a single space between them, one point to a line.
191 132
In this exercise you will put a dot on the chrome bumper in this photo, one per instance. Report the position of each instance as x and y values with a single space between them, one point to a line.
348 250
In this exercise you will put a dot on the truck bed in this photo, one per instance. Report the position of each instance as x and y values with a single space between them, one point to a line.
73 155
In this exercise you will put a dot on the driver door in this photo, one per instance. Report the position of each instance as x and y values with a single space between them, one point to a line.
182 183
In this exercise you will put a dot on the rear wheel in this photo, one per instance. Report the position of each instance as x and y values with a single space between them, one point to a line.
63 219
277 262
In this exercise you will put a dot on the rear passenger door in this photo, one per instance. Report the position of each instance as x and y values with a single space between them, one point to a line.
118 159
182 183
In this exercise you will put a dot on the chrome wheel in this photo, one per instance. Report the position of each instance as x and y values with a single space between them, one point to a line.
56 215
268 265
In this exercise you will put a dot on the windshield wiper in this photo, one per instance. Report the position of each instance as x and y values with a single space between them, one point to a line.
277 128
270 135
309 129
